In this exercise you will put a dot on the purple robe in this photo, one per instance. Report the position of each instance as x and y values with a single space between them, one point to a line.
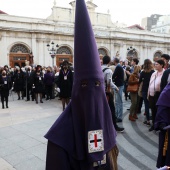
88 110
163 117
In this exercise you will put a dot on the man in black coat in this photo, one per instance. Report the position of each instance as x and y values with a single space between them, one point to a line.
165 78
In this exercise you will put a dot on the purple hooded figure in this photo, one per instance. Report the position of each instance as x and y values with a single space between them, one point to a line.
83 137
162 123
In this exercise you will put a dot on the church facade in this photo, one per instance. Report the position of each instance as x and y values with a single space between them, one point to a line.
49 41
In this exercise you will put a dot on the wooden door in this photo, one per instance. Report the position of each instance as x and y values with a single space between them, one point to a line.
61 57
18 59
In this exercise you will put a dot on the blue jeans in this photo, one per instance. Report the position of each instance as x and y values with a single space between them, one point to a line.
146 102
119 102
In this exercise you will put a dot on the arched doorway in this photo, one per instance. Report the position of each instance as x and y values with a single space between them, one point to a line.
64 53
157 55
131 53
102 53
20 56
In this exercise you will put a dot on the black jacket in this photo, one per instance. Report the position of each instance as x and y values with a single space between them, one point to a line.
118 76
164 79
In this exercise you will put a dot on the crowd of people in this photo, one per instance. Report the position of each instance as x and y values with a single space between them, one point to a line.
148 83
36 83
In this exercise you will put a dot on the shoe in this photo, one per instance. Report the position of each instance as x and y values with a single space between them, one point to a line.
118 120
146 123
36 102
3 107
7 107
131 118
151 129
139 111
18 98
41 101
144 113
119 129
128 109
135 116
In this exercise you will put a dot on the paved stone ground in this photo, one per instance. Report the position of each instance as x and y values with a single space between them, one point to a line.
23 147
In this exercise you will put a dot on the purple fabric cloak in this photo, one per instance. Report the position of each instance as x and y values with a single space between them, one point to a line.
163 117
88 109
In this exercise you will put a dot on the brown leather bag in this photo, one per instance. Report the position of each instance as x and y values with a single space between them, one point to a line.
133 88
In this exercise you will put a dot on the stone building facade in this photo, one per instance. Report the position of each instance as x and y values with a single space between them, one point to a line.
24 40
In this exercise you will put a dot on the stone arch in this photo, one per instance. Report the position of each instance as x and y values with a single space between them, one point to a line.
19 48
20 55
64 52
157 55
132 53
103 51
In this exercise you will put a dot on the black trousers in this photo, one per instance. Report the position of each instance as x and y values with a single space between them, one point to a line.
112 108
152 102
4 98
49 89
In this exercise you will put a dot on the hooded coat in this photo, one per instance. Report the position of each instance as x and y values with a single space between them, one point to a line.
162 120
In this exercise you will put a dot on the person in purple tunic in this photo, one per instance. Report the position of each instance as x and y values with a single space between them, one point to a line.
83 137
162 123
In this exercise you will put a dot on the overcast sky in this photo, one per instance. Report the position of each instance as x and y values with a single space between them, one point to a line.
129 12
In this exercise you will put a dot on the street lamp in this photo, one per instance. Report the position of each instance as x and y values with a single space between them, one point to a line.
53 50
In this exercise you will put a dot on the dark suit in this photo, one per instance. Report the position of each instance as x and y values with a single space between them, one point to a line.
164 79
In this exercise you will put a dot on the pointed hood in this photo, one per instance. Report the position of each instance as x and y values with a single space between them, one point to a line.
86 56
85 129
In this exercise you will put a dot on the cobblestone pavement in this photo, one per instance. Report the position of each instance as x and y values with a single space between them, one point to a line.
23 147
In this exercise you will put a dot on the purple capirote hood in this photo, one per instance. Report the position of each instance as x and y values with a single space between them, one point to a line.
86 56
164 98
88 109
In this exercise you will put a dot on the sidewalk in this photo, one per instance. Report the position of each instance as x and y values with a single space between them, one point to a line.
23 147
22 127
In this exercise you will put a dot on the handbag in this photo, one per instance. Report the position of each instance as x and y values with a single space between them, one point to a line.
133 88
140 89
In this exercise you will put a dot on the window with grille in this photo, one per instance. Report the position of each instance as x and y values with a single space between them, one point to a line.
19 48
64 50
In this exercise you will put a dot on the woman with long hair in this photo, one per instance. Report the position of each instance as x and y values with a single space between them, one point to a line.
134 79
65 82
145 76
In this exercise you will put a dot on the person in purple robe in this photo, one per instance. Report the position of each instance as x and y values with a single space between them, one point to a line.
83 137
162 123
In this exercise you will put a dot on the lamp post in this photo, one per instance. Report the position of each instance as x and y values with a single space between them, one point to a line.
131 53
53 50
